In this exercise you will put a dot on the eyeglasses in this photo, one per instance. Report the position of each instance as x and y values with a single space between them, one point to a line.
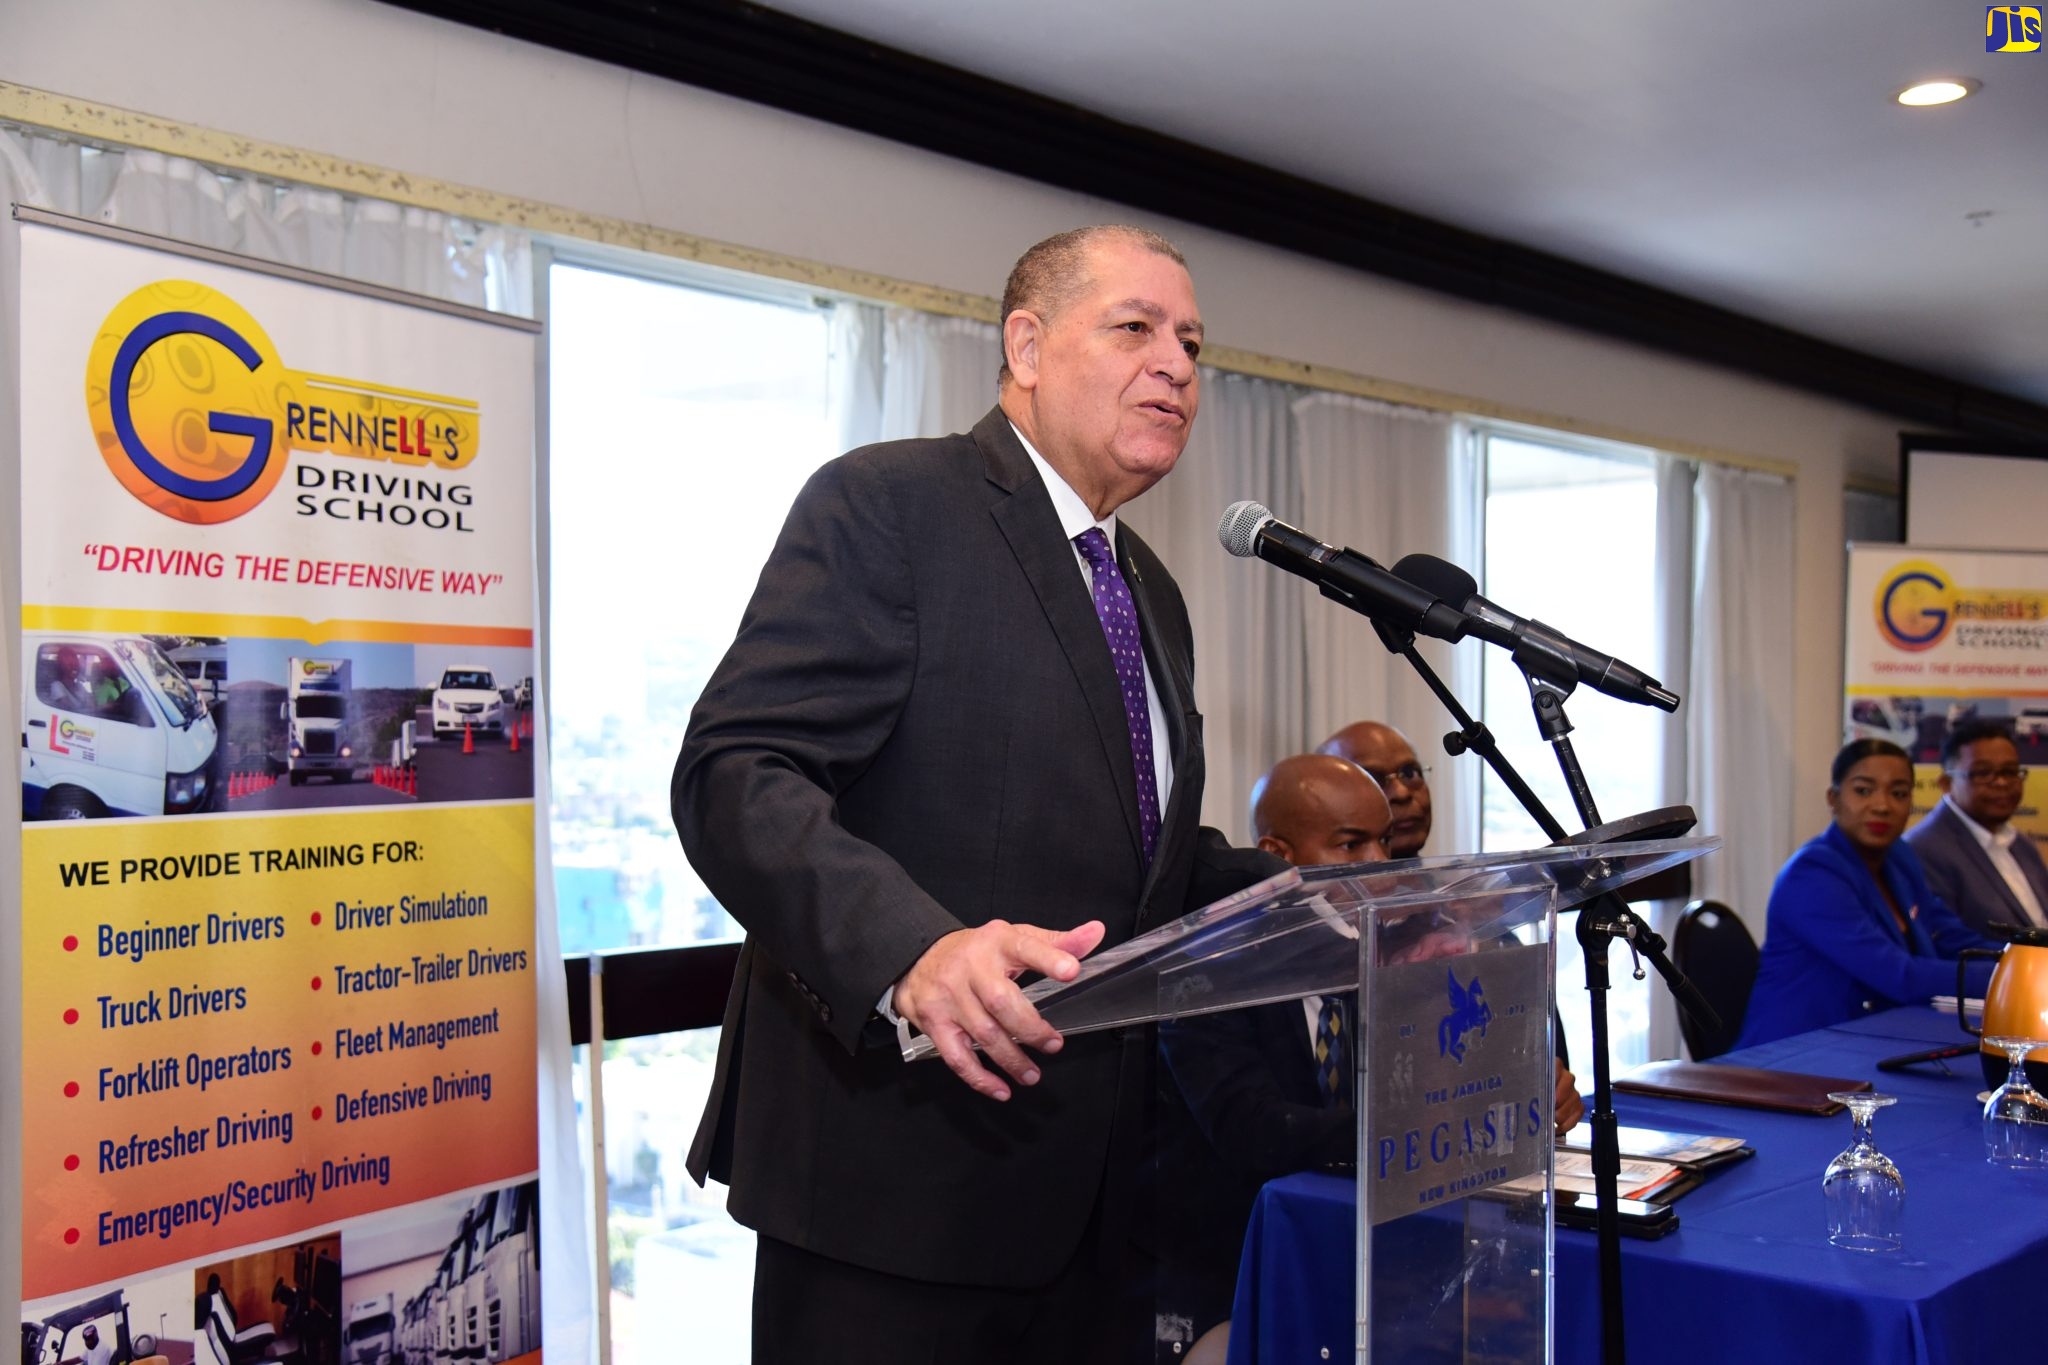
1408 775
1986 776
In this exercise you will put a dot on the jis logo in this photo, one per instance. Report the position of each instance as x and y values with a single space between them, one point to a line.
2012 28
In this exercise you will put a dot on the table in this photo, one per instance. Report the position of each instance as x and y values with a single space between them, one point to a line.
1749 1276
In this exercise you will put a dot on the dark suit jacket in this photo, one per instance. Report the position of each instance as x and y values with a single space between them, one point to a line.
1833 952
918 727
1960 872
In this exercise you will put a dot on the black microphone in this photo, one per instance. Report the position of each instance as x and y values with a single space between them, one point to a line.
1346 576
1544 651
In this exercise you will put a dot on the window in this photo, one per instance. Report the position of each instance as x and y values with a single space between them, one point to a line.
1571 541
683 421
682 424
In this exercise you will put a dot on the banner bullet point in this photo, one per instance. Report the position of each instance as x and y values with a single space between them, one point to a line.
70 1236
316 917
70 1016
71 1090
316 983
70 943
71 1162
316 1113
316 1049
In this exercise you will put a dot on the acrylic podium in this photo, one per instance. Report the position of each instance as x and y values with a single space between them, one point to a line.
1452 963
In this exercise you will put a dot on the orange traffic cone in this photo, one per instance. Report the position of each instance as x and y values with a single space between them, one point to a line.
515 736
412 781
468 740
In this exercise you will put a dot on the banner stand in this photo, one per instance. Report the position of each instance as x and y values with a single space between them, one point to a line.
274 957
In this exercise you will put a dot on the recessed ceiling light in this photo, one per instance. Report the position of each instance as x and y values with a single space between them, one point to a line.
1938 92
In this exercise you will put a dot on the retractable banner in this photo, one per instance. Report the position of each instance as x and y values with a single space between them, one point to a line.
277 1030
1938 637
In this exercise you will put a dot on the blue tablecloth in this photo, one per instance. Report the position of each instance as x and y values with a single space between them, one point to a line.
1749 1276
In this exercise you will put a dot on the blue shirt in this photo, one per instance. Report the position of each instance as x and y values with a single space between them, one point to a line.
1832 950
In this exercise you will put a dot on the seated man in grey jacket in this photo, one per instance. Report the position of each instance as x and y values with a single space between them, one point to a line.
1983 868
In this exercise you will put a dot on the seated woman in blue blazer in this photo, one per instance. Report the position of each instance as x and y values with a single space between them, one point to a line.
1853 927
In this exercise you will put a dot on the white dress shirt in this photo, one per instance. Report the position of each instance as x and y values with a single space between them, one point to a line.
1997 846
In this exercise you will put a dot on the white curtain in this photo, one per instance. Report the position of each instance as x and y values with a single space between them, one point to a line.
938 374
896 373
1739 709
1676 478
370 240
1390 481
1247 616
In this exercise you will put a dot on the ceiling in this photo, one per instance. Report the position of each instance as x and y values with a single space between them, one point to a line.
1747 153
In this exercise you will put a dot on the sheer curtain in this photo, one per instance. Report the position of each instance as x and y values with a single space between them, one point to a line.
1676 478
1739 710
898 373
403 248
370 240
1390 481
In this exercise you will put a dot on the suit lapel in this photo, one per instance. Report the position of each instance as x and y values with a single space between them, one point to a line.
1028 523
1914 937
1168 664
2029 858
1987 871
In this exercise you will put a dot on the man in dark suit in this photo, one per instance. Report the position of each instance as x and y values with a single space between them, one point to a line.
955 741
1983 868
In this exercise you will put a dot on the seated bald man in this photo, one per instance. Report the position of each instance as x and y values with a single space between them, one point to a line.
1385 753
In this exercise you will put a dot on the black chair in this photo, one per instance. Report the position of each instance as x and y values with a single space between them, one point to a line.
1713 948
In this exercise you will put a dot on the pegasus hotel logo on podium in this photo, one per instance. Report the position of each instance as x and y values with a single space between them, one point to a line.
194 413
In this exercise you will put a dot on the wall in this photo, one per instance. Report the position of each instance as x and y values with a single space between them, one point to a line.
354 79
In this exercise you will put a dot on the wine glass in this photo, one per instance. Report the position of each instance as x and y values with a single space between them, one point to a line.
1866 1195
2015 1114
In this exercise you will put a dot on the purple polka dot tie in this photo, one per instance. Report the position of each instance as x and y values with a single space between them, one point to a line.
1120 627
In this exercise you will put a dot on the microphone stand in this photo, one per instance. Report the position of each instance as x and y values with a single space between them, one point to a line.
1601 921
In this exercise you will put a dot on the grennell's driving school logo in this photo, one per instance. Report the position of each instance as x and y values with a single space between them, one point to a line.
1469 1011
1919 605
1915 606
193 411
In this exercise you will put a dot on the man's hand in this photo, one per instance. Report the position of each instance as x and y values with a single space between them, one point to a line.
1570 1108
964 990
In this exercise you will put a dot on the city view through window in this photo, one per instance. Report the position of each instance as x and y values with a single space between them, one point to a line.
682 424
1571 540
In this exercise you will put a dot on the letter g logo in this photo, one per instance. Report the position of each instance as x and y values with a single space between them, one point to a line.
179 387
1915 606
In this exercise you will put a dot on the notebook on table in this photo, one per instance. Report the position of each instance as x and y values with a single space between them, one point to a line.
1748 1087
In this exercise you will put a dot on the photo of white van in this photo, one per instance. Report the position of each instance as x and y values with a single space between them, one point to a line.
110 726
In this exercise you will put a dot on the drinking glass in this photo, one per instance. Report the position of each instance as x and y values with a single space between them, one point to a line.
1866 1195
2015 1114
